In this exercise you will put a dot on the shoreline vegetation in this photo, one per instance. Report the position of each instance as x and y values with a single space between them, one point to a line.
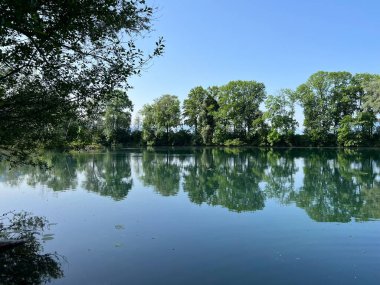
120 147
340 110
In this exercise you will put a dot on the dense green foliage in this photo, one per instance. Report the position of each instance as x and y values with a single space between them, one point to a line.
239 103
193 109
60 61
340 109
371 98
333 104
280 114
117 117
160 118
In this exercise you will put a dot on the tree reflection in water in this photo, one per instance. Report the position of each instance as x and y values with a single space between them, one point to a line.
337 185
330 185
230 180
26 263
162 171
107 174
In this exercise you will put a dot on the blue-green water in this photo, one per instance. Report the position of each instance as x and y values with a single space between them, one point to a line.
207 216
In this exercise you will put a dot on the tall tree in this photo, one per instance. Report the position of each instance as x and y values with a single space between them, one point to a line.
372 97
193 107
207 117
336 106
149 126
117 117
344 96
160 117
326 98
57 57
239 103
168 113
280 114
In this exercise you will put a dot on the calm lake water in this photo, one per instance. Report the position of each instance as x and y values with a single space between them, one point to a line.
206 216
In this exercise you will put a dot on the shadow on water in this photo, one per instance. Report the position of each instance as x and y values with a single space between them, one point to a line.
331 185
26 263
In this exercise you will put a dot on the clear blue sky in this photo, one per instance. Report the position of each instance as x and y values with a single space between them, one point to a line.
277 42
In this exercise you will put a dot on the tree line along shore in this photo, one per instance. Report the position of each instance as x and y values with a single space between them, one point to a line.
339 108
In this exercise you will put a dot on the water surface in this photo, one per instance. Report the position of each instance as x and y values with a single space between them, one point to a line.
207 216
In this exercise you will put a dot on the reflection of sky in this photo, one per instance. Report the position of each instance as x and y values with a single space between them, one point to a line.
299 175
